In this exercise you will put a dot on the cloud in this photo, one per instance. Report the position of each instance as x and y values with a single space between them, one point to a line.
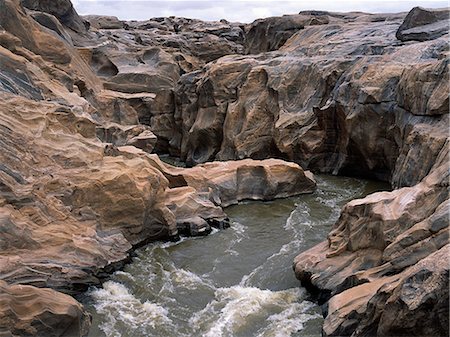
242 11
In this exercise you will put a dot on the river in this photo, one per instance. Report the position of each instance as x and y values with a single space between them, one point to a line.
234 282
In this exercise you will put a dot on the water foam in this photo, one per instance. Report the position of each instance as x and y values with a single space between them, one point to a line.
234 307
120 307
239 231
289 320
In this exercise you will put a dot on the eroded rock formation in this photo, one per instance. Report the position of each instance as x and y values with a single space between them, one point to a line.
78 187
30 311
384 269
85 100
344 97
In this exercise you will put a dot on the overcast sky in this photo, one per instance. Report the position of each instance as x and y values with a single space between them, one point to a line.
242 11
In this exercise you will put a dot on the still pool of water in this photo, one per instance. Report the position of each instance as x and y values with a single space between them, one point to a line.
235 282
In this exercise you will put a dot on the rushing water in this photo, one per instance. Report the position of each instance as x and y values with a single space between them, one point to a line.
235 282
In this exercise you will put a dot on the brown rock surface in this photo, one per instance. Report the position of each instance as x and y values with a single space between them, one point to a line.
94 202
339 97
380 263
30 311
414 303
78 187
81 109
233 181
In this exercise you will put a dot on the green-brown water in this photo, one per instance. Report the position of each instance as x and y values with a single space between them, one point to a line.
235 282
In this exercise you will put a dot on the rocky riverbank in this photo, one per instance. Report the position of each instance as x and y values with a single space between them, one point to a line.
86 100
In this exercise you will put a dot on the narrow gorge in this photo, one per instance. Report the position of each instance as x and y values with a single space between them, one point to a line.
190 161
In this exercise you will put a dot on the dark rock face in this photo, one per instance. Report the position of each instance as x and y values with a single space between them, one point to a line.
423 24
62 9
270 34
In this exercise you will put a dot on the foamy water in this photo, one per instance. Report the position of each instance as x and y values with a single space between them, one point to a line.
236 282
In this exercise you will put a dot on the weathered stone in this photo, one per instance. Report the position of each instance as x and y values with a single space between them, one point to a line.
352 114
270 34
103 22
62 9
334 92
424 24
120 135
413 303
30 311
376 248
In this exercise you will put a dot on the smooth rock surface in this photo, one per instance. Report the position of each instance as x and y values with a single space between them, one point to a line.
83 103
30 311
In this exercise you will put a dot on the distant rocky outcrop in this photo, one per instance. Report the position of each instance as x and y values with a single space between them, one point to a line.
270 34
86 100
344 97
424 24
62 9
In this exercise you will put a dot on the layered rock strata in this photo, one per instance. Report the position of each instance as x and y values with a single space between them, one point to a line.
384 270
85 100
78 187
31 311
345 97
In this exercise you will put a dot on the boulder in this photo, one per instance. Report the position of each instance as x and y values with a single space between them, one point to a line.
62 9
234 181
103 22
31 311
424 24
270 34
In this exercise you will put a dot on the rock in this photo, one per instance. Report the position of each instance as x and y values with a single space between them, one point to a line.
62 9
103 22
139 136
146 141
71 217
377 247
103 215
30 311
352 116
52 23
81 109
426 32
424 24
414 302
422 88
195 226
14 20
234 181
270 34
